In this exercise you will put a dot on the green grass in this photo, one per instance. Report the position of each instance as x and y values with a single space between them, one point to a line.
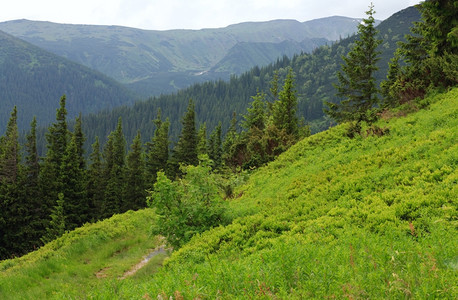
333 217
80 260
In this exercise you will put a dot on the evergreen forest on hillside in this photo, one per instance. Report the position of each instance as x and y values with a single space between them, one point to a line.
216 101
251 204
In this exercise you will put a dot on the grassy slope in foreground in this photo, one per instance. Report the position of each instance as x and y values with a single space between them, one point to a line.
370 217
80 260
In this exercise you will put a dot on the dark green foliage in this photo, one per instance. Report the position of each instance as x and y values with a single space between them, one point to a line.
269 128
32 79
256 114
74 185
214 147
114 171
96 183
50 180
202 140
157 150
9 151
284 110
135 184
430 54
357 84
56 226
185 151
187 206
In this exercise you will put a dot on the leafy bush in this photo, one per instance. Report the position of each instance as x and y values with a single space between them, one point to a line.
187 206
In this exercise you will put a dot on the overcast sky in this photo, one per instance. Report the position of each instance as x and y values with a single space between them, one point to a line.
189 14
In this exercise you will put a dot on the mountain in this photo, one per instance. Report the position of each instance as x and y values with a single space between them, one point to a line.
155 62
215 101
34 80
371 217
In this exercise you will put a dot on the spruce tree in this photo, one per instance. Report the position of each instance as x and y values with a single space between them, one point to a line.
230 144
284 110
185 152
256 114
114 169
9 153
73 180
56 226
214 147
157 150
356 80
96 182
202 147
12 199
31 186
57 140
135 185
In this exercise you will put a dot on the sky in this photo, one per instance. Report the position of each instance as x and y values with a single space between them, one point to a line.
190 14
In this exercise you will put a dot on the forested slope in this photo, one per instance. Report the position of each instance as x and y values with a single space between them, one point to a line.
34 79
154 62
315 75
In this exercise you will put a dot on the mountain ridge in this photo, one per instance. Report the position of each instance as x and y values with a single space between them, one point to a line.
132 55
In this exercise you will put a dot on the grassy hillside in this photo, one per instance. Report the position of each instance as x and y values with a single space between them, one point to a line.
81 260
155 62
370 217
333 217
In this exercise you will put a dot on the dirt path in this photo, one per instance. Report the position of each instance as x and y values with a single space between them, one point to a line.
144 261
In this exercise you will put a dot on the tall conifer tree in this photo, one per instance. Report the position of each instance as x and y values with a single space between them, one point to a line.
114 169
157 150
185 152
356 80
96 182
135 188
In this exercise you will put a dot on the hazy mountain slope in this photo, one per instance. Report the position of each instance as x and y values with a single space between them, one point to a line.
132 56
34 80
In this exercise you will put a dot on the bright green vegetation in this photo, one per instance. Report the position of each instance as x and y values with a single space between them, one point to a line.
82 260
369 217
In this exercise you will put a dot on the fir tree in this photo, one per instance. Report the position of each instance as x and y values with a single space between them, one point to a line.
230 144
57 140
185 152
96 182
114 168
73 179
202 147
135 186
214 147
356 80
9 151
256 114
284 110
157 151
31 186
56 227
